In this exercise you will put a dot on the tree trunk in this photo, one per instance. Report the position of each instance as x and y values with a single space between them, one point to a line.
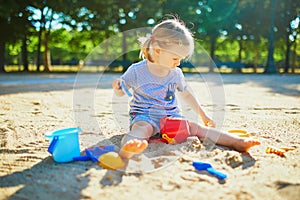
294 56
212 52
106 43
2 55
124 46
287 54
47 60
255 64
240 50
25 53
42 28
270 63
38 59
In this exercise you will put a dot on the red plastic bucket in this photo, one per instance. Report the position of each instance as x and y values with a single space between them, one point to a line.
174 130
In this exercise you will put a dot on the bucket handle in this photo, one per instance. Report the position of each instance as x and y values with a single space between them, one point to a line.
52 144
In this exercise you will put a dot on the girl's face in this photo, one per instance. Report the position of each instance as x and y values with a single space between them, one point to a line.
171 58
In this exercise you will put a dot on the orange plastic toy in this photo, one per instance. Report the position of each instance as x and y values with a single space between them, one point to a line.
279 151
275 150
288 148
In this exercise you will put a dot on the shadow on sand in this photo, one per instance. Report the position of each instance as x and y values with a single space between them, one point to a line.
15 83
50 180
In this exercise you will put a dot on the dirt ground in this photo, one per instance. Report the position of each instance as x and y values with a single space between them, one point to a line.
267 106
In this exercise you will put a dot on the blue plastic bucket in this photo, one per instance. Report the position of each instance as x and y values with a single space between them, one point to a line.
64 144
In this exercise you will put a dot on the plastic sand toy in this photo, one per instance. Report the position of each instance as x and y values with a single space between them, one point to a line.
123 87
104 155
94 153
239 133
64 144
111 161
242 133
174 130
207 167
275 150
288 148
279 151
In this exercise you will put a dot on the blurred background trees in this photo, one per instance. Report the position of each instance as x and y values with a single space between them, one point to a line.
42 33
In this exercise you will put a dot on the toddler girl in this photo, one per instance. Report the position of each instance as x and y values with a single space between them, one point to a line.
154 81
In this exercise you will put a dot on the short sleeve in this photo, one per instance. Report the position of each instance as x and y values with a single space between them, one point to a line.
181 84
129 77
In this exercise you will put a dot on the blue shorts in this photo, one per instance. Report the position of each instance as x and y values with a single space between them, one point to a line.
154 120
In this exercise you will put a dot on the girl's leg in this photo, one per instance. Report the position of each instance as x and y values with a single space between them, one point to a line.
135 141
222 138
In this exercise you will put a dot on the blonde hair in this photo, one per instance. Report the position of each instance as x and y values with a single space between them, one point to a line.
168 33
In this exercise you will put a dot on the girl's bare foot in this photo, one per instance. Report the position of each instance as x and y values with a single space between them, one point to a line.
133 147
244 144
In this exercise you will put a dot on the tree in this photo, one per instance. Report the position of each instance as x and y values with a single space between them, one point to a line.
270 68
13 24
43 25
221 26
286 22
135 14
216 16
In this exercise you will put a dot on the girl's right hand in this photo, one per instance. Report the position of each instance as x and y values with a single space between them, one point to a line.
117 87
116 84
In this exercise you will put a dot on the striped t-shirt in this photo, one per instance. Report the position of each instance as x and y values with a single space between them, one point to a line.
153 95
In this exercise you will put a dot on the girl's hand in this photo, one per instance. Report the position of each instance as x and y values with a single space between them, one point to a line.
208 122
117 87
116 84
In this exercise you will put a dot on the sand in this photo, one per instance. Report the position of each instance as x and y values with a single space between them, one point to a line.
267 106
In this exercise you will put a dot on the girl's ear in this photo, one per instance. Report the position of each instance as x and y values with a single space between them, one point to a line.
157 51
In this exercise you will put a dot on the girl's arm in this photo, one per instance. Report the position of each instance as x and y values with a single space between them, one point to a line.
192 101
117 87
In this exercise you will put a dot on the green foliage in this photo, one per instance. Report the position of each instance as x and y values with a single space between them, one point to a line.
230 30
